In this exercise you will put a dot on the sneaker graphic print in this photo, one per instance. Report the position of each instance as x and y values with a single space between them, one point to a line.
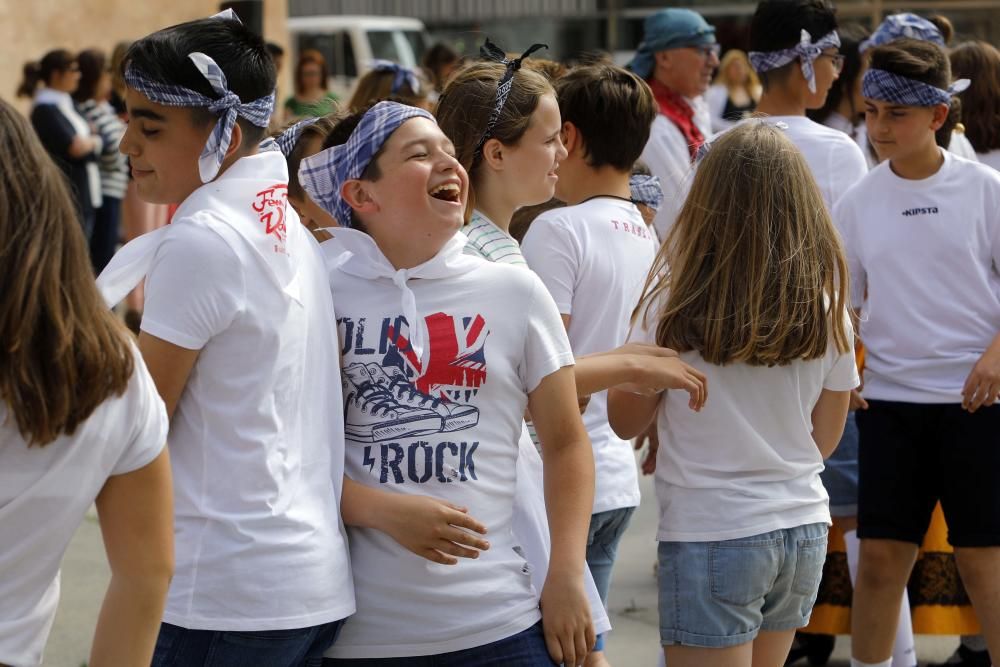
394 396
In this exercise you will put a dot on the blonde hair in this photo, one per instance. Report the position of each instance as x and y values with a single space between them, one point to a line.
376 85
753 270
751 84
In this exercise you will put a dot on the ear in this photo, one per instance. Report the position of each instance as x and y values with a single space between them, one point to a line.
493 154
571 138
941 112
662 59
357 196
236 142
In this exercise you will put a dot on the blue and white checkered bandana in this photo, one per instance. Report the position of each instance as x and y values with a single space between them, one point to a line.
888 87
322 175
806 51
899 26
285 142
645 189
227 106
401 75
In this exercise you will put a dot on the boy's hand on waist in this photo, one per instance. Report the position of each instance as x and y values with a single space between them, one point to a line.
983 384
566 619
433 529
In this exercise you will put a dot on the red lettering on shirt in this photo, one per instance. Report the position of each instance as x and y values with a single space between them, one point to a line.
270 207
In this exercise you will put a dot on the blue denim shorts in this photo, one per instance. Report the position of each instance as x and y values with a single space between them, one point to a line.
840 476
721 594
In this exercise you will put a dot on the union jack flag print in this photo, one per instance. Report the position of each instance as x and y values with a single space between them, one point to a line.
456 359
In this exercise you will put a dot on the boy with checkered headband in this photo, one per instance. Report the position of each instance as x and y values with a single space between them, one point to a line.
236 333
922 238
441 354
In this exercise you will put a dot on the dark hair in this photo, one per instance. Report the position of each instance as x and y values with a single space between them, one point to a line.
979 62
63 352
376 85
612 109
239 51
778 24
436 59
92 68
851 36
338 136
274 50
925 62
34 73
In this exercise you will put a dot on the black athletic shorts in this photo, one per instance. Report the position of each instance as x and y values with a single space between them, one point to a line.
911 455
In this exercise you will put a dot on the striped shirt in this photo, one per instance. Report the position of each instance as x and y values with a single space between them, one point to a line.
488 241
112 163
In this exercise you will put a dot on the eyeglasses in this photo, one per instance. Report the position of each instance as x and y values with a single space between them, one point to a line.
837 59
708 50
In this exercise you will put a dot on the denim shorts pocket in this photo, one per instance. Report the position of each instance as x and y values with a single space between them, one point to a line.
742 571
810 555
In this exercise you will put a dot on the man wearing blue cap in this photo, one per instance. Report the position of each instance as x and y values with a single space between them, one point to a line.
677 57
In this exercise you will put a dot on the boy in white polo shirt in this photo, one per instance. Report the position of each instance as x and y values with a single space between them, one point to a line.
593 257
236 335
922 239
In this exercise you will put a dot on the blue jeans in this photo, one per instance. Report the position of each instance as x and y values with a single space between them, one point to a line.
525 649
721 594
301 647
606 530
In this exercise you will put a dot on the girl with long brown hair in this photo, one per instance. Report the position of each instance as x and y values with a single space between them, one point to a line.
80 421
750 288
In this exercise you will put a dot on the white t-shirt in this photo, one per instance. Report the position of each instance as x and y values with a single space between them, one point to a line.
256 450
594 258
668 158
834 158
962 147
747 463
927 253
45 493
445 424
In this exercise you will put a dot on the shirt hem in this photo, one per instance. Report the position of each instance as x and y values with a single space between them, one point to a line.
256 624
522 623
745 531
172 336
616 503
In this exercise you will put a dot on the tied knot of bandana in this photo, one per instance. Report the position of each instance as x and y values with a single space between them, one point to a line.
323 175
227 106
286 140
490 51
645 189
806 51
888 87
401 75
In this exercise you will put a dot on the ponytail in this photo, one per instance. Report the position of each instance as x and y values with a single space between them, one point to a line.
32 76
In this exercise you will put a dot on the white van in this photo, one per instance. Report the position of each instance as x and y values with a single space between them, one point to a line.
351 43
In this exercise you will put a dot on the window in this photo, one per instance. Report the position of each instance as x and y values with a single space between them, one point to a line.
383 45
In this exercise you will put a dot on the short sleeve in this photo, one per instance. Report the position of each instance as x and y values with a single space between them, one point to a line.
149 421
843 374
53 129
546 345
195 287
553 253
845 220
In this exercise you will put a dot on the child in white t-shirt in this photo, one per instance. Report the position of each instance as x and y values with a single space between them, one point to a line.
80 421
593 256
236 333
750 288
922 235
441 354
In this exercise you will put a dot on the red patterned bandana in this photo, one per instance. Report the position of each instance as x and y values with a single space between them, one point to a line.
679 112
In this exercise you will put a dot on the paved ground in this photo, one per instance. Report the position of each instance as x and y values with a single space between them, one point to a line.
633 600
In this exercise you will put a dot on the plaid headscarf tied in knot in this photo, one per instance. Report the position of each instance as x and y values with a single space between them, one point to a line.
888 87
401 75
806 51
324 174
490 51
645 189
899 26
285 142
227 106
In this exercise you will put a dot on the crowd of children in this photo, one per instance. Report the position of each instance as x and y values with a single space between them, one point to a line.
398 417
